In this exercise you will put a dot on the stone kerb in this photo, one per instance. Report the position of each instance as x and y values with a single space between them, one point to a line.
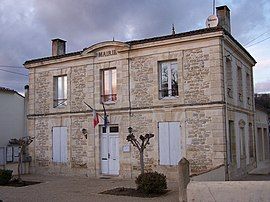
183 170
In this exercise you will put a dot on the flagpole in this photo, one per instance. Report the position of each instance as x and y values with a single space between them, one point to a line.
93 110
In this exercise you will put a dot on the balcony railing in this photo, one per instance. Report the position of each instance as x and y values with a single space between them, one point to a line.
109 98
59 102
168 93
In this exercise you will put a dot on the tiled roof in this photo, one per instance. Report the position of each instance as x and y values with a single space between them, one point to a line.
7 90
153 39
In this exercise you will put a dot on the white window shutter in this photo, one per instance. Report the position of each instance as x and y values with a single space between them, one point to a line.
63 146
175 143
56 142
163 135
2 155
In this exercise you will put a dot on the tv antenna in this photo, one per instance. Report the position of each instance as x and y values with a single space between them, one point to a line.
214 7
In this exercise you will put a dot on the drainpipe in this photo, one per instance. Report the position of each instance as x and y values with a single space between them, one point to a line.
129 100
227 177
129 104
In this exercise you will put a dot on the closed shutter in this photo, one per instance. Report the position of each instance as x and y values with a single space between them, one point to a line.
175 143
56 146
63 142
169 143
2 155
164 156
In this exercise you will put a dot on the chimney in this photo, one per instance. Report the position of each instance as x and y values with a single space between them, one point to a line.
58 47
224 19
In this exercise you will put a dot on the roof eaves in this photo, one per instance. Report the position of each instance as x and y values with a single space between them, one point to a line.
52 57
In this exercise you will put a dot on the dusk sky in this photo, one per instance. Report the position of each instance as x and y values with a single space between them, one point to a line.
27 27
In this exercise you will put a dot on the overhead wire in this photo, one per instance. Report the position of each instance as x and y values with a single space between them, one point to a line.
11 66
14 72
258 42
256 38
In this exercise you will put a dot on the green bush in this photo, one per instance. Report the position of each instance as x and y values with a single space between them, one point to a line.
151 182
5 176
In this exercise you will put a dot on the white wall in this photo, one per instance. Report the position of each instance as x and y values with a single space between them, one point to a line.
11 117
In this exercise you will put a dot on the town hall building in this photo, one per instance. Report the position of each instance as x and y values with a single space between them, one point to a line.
192 90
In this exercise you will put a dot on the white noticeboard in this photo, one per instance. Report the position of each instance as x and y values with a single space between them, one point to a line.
126 148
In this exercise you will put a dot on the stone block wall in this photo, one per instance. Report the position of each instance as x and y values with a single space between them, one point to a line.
199 108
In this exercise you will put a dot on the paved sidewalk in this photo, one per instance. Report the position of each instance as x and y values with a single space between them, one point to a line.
59 188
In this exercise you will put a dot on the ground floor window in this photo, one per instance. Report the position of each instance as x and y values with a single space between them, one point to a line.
59 144
232 149
169 143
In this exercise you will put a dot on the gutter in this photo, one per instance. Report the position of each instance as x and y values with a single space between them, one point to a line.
227 159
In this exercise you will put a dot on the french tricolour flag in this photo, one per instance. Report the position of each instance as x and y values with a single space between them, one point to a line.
95 116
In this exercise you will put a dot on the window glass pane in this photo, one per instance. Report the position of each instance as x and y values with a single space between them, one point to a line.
103 130
59 88
174 79
163 80
65 87
106 77
114 81
114 129
164 76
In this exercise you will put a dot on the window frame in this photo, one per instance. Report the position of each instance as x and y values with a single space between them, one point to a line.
112 97
170 84
57 101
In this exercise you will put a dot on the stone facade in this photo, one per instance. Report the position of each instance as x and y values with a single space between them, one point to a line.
202 106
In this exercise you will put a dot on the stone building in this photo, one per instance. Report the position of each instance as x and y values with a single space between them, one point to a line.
193 90
262 133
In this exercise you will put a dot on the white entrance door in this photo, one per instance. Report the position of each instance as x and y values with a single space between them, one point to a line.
110 150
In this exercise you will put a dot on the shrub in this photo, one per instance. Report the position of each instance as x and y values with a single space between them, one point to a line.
151 182
5 176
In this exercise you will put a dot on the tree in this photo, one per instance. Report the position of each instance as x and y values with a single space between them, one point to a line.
140 146
22 142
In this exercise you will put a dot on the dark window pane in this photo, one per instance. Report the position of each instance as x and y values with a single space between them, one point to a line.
103 130
114 129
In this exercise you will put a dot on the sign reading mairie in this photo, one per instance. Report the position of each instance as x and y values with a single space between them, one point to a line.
106 53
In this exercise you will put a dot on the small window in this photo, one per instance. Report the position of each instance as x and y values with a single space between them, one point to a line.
108 93
168 81
114 129
60 91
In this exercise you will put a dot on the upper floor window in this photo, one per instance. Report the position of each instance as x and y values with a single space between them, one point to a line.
248 85
240 84
108 93
229 77
60 91
168 82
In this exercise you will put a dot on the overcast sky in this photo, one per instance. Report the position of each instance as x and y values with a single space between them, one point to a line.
27 27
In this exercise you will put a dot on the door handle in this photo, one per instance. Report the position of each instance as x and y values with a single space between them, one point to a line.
109 155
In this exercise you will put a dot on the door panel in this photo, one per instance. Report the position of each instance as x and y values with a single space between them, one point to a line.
175 142
164 143
104 154
114 155
63 144
56 143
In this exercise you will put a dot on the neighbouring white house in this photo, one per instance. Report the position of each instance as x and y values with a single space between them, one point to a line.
12 121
